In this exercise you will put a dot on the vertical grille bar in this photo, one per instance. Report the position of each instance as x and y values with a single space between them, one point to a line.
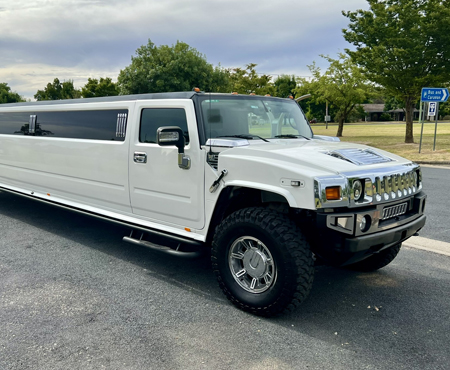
32 124
121 126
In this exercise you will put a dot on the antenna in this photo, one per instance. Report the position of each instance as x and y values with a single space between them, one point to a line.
210 129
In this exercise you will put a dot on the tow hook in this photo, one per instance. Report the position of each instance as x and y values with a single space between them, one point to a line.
216 183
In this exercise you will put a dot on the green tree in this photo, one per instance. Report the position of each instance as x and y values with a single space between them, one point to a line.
170 68
314 107
343 85
248 81
95 88
403 45
285 86
58 91
8 96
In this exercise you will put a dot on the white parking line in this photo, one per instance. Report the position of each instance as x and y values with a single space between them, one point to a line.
430 245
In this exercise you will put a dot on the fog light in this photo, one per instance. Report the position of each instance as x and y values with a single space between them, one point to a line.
365 223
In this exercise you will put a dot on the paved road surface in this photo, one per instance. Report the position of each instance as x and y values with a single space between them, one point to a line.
74 296
437 187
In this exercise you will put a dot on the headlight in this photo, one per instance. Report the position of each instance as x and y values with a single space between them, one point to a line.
357 190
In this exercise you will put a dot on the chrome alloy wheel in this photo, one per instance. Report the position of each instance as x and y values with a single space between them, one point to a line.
251 264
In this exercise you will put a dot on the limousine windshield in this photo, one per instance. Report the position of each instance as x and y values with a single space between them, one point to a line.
262 117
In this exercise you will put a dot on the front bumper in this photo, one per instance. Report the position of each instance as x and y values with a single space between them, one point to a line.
340 241
383 239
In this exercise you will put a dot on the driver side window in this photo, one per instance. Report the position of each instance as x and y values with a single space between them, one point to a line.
154 118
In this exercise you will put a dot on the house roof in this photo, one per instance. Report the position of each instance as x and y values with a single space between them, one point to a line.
379 108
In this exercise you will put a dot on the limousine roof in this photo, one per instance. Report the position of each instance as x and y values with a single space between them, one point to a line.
169 95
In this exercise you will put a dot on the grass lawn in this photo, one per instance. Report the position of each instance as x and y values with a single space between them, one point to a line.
391 137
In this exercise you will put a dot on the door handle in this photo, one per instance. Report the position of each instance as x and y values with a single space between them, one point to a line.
140 157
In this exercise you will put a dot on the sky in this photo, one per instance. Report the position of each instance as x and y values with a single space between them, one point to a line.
76 39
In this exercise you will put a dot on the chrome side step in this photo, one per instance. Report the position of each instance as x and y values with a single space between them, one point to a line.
161 248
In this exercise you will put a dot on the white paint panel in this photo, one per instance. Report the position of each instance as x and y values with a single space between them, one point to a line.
86 171
159 189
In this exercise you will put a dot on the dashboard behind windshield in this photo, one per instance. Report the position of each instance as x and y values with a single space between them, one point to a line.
253 115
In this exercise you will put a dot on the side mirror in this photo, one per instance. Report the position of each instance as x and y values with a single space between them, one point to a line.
173 136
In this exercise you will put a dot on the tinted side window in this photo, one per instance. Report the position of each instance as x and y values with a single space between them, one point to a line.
154 118
93 124
14 123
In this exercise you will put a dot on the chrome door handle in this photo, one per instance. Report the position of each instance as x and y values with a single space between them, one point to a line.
140 157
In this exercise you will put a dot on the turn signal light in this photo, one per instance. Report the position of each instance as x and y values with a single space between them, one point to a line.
333 193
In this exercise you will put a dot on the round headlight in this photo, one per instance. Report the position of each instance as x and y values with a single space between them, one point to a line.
357 189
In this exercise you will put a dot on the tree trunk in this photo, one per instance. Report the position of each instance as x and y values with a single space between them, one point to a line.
340 127
409 111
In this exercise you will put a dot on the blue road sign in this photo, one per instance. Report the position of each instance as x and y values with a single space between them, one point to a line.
434 94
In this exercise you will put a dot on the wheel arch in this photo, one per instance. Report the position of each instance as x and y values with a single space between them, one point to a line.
235 197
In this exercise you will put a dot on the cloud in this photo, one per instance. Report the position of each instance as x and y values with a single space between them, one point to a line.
79 38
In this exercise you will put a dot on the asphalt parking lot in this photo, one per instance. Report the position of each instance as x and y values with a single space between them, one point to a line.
74 296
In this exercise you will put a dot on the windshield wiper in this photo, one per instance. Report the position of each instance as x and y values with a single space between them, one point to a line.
291 136
246 136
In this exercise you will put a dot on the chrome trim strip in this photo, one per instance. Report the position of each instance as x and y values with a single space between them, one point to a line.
227 142
32 124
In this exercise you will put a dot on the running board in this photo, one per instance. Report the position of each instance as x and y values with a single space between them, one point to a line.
161 248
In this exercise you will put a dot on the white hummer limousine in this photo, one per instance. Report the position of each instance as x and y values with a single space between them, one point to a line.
241 175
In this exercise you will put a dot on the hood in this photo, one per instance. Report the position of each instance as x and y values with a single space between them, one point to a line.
326 156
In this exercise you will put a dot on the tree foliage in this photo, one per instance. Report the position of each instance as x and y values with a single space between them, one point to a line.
403 45
285 86
58 90
343 85
170 68
95 88
8 96
248 81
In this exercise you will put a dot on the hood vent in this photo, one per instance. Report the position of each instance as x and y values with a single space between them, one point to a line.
213 159
360 157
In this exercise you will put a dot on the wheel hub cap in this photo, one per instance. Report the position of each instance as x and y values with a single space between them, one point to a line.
251 264
255 263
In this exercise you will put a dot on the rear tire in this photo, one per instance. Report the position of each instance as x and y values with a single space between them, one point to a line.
376 261
263 263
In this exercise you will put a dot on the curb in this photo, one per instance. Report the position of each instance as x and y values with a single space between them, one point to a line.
434 163
429 245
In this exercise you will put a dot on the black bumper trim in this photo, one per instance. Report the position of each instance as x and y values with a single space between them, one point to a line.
383 239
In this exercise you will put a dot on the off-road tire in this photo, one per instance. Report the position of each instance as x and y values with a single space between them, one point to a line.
282 240
376 261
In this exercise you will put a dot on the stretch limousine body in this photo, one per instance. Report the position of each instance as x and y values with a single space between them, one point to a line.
242 175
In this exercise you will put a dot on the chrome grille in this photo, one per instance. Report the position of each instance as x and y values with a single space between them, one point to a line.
395 186
397 210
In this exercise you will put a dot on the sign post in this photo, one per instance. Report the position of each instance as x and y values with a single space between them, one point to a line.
433 96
